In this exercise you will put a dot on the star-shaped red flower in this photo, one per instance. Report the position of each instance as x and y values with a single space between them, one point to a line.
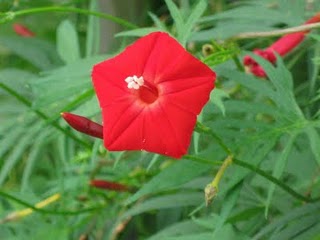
150 96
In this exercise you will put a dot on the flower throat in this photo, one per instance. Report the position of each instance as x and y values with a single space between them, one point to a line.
146 91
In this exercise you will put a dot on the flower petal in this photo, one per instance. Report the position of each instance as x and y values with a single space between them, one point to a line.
162 129
190 93
169 60
111 73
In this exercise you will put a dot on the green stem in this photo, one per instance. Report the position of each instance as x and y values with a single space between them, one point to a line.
274 180
10 15
72 105
201 160
41 114
203 129
238 63
26 204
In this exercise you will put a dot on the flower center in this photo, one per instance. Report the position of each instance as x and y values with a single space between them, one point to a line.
147 92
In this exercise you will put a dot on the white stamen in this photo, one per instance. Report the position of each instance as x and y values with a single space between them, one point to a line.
128 79
134 82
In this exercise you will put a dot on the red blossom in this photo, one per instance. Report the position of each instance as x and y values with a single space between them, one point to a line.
83 125
22 30
150 96
282 46
103 184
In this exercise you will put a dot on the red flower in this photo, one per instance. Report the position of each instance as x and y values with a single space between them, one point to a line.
103 184
282 46
150 96
22 30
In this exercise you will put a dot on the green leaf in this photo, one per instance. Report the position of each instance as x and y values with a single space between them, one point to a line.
278 170
39 143
140 32
18 80
17 152
93 31
221 53
217 96
196 135
178 229
64 82
167 201
281 79
67 42
228 204
177 17
314 139
196 13
249 12
159 24
169 179
293 215
38 52
264 88
198 236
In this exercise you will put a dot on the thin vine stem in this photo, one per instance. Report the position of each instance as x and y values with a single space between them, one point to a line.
275 33
275 181
27 103
52 212
201 128
201 160
8 16
204 129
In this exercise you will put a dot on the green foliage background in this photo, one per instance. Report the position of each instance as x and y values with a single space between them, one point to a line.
270 126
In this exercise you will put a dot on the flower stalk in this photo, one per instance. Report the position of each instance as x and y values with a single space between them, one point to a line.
211 189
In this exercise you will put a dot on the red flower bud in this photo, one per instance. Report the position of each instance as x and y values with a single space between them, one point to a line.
22 30
103 184
282 46
83 125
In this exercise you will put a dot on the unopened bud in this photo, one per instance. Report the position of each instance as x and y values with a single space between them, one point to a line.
83 125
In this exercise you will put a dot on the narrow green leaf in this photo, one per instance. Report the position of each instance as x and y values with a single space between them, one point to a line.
38 52
140 32
159 24
18 150
196 135
196 13
167 201
67 42
263 88
32 157
169 179
64 82
198 236
314 139
10 137
281 78
278 170
216 97
93 31
228 204
297 228
284 220
178 229
177 17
